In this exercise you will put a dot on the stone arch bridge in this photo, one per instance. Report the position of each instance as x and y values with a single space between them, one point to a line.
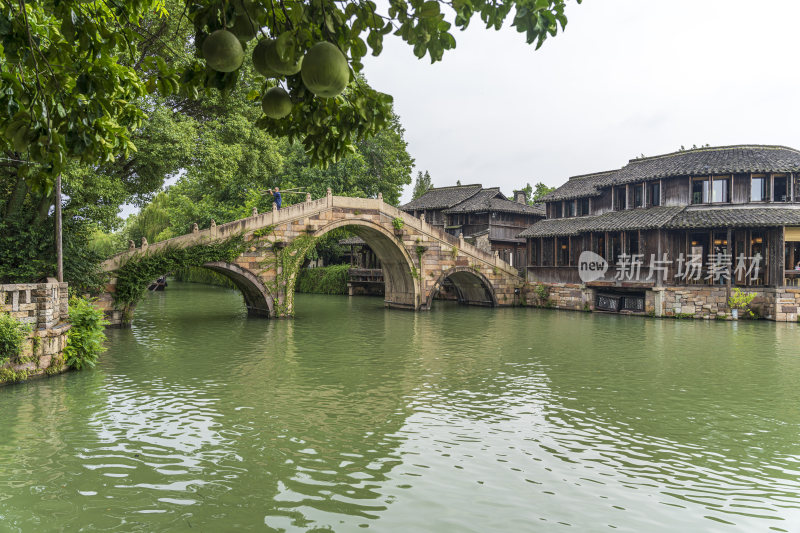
416 258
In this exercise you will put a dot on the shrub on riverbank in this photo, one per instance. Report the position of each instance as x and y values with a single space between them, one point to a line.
323 280
85 338
12 335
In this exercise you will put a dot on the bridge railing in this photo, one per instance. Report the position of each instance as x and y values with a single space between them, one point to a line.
305 209
223 231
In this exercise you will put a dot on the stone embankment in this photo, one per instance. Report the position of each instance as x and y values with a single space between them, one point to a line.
43 308
779 304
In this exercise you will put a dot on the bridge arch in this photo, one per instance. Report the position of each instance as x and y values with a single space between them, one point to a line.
471 286
257 297
401 289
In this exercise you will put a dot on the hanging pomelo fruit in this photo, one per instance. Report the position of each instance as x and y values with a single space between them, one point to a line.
275 63
276 103
325 71
244 28
223 51
260 60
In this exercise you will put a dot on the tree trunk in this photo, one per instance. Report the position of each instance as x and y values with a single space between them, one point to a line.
43 209
16 199
59 252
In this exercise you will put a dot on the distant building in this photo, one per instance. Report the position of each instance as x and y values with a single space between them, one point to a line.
485 217
716 217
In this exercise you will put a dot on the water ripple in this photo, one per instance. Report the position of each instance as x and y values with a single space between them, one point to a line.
460 419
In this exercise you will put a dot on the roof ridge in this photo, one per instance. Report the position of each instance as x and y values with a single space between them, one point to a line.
711 149
592 175
455 187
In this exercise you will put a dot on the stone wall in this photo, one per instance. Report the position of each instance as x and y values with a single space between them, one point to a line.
116 317
569 296
42 307
701 302
780 305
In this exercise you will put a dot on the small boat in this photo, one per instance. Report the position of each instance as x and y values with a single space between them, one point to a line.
158 285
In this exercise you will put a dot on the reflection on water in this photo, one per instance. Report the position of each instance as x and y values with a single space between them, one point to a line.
461 419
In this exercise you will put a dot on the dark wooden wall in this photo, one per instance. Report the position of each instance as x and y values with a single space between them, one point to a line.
675 192
740 190
602 204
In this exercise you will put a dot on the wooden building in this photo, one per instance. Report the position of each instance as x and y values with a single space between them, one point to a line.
485 217
365 275
729 216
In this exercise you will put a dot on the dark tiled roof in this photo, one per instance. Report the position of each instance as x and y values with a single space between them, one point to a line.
550 227
476 202
580 186
735 217
712 160
442 197
489 200
668 218
628 220
696 162
509 206
633 219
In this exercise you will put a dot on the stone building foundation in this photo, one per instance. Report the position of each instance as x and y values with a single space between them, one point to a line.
702 301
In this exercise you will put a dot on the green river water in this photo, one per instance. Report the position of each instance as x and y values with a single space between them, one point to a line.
455 420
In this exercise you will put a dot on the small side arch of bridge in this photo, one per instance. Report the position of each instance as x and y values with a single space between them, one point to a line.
472 287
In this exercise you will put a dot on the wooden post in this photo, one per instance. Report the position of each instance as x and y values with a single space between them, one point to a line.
529 253
748 246
59 243
555 251
710 252
771 190
541 251
730 252
639 244
688 248
780 256
569 250
660 274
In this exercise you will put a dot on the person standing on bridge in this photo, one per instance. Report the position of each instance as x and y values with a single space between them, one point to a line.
276 197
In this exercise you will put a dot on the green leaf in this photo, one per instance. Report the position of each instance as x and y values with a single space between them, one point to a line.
429 9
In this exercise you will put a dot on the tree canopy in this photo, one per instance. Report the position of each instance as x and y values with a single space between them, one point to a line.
534 195
117 97
421 185
72 72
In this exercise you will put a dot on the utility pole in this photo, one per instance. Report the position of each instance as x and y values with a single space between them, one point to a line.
59 249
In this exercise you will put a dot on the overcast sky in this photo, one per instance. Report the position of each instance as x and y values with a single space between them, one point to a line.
627 77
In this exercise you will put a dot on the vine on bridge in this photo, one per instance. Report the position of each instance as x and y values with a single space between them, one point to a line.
139 271
286 261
